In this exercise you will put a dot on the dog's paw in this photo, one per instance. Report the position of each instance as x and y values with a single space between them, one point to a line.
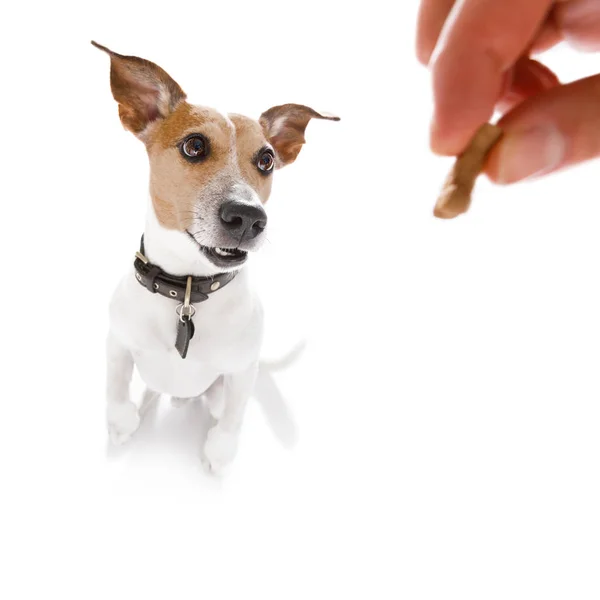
123 420
220 449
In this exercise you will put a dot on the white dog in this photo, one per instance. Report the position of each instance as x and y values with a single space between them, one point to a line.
185 314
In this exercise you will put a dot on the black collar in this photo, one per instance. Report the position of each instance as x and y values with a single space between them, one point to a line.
154 279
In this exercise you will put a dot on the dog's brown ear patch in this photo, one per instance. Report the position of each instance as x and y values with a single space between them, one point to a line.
143 90
284 127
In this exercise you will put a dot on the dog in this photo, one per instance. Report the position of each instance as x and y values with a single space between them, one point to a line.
185 314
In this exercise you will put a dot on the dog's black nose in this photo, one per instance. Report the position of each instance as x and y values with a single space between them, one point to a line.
248 220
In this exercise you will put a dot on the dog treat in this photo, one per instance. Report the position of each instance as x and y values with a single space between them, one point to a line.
455 197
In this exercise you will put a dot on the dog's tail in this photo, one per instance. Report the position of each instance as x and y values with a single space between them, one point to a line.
277 412
286 361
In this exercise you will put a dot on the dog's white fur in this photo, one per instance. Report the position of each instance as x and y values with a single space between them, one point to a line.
222 360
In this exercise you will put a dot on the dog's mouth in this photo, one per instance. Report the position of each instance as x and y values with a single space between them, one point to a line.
222 257
225 257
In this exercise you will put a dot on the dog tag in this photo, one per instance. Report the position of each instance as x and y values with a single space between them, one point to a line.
185 332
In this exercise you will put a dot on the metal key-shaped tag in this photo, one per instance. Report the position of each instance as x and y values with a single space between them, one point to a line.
185 332
185 325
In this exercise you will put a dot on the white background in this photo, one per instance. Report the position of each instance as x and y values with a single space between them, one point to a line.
438 435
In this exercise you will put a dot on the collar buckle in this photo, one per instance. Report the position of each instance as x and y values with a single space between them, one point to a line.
142 257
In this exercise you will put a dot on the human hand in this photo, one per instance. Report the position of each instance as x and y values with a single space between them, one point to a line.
479 54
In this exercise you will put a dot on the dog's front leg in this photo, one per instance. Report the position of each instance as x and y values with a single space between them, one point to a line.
221 444
121 413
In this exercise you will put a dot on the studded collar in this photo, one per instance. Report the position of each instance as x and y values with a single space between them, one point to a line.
155 280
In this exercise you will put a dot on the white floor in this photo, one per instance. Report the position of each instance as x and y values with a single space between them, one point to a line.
435 434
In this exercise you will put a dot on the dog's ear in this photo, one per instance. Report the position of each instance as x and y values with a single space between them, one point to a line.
284 127
143 90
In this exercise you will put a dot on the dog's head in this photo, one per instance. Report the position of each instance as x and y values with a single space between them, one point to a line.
210 174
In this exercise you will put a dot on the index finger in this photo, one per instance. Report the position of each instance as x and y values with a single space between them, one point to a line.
479 44
430 22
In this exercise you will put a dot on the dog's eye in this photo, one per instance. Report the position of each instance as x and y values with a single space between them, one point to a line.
194 147
266 161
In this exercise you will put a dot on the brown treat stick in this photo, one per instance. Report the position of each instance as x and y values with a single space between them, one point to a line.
455 197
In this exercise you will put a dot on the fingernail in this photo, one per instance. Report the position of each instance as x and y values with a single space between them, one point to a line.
529 153
580 10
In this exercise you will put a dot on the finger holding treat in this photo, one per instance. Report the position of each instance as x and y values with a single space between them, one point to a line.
553 130
474 66
455 198
479 52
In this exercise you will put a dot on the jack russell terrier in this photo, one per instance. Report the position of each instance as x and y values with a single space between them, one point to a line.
185 314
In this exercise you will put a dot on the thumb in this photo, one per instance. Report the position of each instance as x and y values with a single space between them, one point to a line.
547 132
579 23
